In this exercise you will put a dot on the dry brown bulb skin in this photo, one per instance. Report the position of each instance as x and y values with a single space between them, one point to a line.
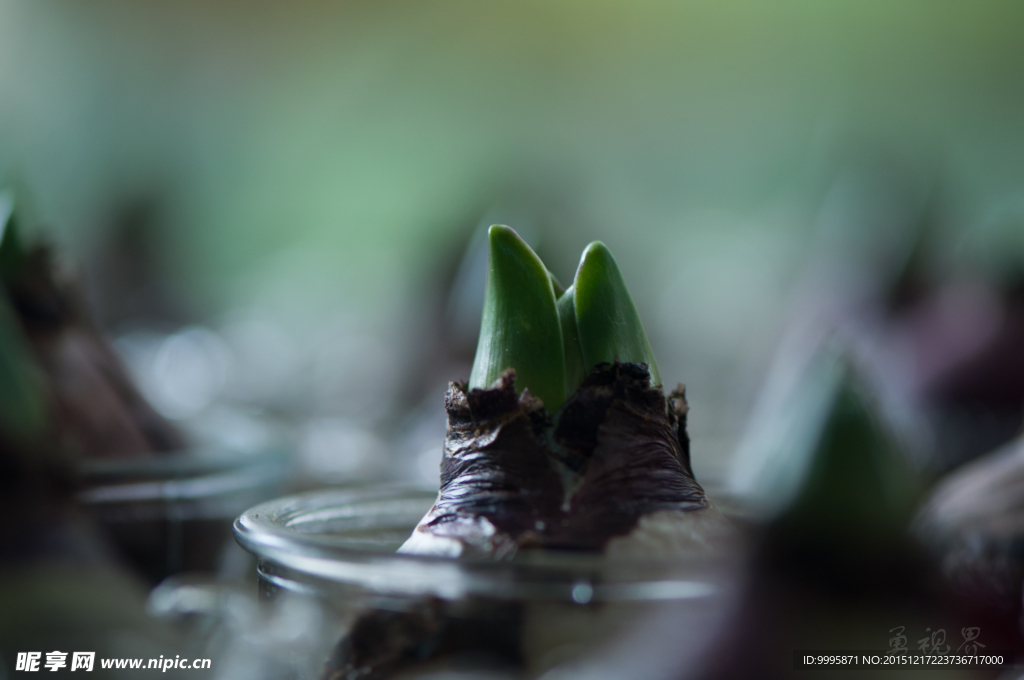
102 413
613 475
499 489
505 486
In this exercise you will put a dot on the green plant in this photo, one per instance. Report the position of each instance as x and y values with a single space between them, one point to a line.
553 339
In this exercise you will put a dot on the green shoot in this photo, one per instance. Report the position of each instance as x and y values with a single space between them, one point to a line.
520 327
607 321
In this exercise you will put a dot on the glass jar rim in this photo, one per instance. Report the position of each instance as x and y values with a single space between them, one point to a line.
325 539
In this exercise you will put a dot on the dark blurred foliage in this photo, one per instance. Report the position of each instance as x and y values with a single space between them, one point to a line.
839 569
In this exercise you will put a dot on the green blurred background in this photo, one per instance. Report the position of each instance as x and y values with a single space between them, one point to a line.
322 161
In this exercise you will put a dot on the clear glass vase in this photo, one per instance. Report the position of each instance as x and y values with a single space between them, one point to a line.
577 614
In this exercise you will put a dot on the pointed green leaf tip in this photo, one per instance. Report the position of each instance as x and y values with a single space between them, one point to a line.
607 321
520 327
860 494
22 401
12 250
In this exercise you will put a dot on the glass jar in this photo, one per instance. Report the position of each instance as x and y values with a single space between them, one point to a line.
543 611
173 512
